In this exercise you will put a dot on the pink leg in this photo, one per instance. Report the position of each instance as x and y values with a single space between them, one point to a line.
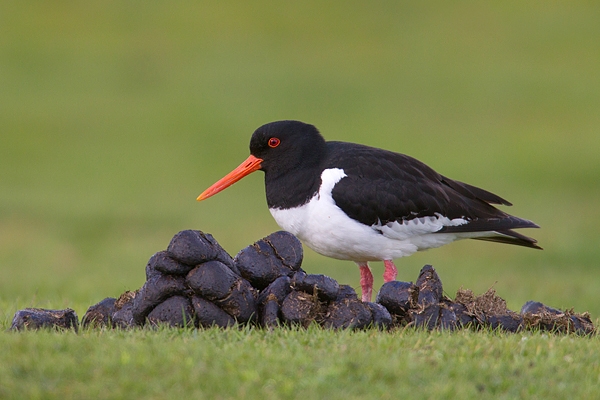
390 271
366 281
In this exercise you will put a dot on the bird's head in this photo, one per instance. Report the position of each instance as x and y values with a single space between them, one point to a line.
276 148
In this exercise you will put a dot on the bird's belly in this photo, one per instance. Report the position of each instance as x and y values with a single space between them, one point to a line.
326 229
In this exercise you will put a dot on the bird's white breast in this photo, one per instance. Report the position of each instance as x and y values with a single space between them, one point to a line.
326 229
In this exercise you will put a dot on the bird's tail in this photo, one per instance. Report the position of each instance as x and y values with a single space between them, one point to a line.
511 237
500 230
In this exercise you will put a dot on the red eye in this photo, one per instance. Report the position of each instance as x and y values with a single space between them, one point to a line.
274 142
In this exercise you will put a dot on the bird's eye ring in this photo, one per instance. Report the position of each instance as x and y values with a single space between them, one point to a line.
274 142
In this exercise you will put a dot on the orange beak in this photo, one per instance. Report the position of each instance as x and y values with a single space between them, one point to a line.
247 167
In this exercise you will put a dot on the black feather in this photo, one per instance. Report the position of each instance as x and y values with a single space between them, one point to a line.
511 237
383 186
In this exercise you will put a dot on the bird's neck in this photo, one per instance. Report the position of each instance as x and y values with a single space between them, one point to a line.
292 189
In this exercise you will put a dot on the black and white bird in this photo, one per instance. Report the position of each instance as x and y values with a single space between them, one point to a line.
353 202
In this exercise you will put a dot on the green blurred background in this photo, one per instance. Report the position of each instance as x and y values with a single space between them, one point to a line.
115 115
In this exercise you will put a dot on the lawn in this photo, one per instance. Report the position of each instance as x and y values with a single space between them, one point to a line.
114 116
286 363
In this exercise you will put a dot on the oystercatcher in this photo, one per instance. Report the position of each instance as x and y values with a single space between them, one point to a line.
353 202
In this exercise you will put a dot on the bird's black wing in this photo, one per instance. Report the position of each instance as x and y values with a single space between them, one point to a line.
382 186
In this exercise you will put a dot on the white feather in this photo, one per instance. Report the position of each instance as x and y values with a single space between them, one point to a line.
326 229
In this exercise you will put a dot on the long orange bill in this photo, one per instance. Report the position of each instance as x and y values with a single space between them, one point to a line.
247 167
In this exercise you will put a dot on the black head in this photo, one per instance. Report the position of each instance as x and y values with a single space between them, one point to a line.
286 145
290 153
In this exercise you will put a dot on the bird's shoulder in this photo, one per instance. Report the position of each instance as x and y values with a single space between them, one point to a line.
377 164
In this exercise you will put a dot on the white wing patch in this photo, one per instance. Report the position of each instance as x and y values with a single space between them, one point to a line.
401 230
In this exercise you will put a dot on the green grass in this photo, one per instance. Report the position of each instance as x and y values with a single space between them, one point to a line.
115 116
286 363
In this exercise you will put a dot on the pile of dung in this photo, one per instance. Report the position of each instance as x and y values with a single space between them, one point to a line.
196 283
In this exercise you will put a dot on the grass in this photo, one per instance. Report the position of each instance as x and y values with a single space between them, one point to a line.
290 363
115 116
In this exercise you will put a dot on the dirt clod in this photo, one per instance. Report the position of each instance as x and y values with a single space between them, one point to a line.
300 308
277 290
381 316
209 314
347 313
156 290
427 311
398 297
212 280
539 316
38 318
270 313
279 254
241 302
193 247
175 311
100 314
161 262
324 287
